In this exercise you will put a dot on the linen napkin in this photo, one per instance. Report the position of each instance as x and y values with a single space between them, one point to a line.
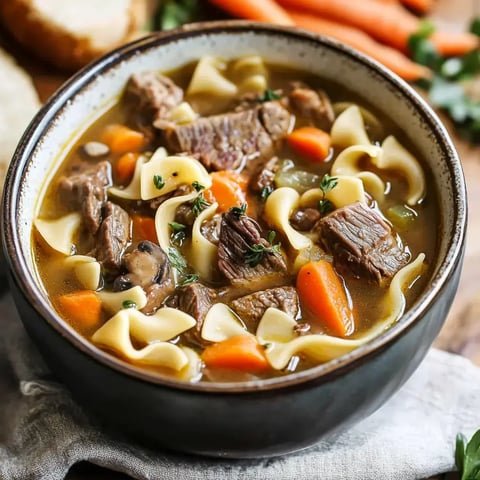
43 432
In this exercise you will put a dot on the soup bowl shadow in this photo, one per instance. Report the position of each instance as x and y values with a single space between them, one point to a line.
237 420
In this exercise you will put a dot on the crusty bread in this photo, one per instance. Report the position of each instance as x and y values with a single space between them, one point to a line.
18 104
71 33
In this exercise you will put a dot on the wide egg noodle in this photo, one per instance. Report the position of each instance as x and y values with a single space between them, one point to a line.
279 207
208 79
347 163
349 189
192 371
349 129
115 335
251 74
87 270
182 114
165 214
59 233
276 328
396 157
132 190
166 323
174 171
112 302
203 253
222 323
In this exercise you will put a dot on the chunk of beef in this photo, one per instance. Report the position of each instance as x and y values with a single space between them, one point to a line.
223 142
112 238
86 190
153 94
265 176
237 235
362 243
313 104
147 266
196 300
252 307
184 214
304 219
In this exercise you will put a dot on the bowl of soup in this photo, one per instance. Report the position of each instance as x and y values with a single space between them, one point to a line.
234 239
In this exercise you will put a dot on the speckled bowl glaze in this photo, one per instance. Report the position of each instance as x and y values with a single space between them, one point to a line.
254 419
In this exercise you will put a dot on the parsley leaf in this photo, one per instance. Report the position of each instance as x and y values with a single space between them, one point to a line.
129 304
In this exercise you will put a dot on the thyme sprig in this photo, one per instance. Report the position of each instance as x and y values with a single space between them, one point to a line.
178 233
239 211
256 253
268 95
327 183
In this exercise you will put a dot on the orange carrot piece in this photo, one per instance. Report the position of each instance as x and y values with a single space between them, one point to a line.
390 23
258 10
311 142
228 189
420 6
391 58
454 43
144 228
122 139
322 293
125 167
241 352
83 308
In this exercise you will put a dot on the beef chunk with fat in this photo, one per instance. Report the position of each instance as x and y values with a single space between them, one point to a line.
362 243
85 189
196 300
252 307
148 267
113 238
264 178
223 142
313 104
153 94
238 233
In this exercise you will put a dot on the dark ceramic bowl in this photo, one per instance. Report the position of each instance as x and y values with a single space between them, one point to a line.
255 419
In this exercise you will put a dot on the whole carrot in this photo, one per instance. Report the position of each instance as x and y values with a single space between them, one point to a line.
355 38
258 10
388 22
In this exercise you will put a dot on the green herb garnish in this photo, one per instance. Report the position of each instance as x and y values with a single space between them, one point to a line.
265 193
467 456
178 232
158 182
327 183
256 253
176 259
268 96
129 304
239 211
188 279
199 205
198 186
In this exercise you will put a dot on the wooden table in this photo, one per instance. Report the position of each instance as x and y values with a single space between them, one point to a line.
461 333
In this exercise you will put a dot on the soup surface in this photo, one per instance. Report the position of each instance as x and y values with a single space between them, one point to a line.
235 220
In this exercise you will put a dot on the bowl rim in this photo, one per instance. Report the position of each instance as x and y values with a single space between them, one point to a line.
19 271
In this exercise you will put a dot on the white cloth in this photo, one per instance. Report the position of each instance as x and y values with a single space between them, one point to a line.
43 432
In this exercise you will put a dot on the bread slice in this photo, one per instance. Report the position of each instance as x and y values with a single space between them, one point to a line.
71 33
18 104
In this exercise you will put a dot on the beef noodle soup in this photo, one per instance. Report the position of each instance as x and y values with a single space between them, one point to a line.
235 220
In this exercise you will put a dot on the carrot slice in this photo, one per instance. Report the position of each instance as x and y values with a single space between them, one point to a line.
228 189
259 10
241 352
420 6
83 308
125 167
391 58
144 228
322 293
121 139
311 142
387 22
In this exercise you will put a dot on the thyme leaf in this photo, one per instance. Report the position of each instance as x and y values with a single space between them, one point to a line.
129 304
265 193
256 253
198 186
188 279
239 211
178 233
176 259
268 95
327 183
199 204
